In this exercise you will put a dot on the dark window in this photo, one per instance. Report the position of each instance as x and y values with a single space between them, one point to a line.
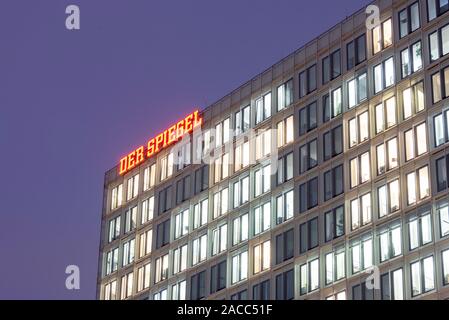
308 157
436 8
335 223
356 51
326 108
285 168
308 236
261 291
385 287
307 81
308 195
163 234
242 295
307 118
218 277
165 199
442 164
285 286
201 179
331 66
333 143
198 286
440 85
183 189
409 20
333 183
361 292
284 246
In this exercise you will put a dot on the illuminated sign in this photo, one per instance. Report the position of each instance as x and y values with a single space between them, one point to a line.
160 142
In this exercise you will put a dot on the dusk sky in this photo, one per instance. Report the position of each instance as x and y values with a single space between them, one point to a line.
73 102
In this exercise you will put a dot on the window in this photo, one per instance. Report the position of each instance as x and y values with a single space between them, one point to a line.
262 257
418 185
285 95
339 296
198 286
357 90
240 229
220 203
132 188
149 177
419 230
221 167
358 129
261 291
440 85
439 43
239 267
445 259
392 285
387 156
362 292
441 128
285 131
110 290
145 243
178 291
307 118
161 295
413 100
241 192
333 183
422 276
183 155
201 179
307 81
332 143
183 187
384 75
308 195
356 51
409 20
166 165
285 246
116 197
443 212
308 235
335 267
147 210
360 170
309 277
130 219
219 239
361 212
243 120
114 229
262 180
161 269
222 132
285 288
336 102
143 277
199 249
411 60
284 207
334 223
242 295
308 156
127 286
181 224
390 242
382 36
218 277
331 66
263 143
128 252
362 254
112 261
436 8
416 148
385 115
262 218
263 108
200 212
180 259
388 198
165 202
285 168
163 234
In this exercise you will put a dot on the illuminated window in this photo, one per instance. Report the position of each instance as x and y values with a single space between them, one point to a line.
360 170
358 129
128 252
145 243
390 242
221 200
130 219
114 229
285 168
263 144
112 261
441 128
443 212
418 185
262 257
180 259
413 100
440 85
445 258
147 210
439 43
419 230
110 290
116 197
166 164
219 239
285 132
199 249
133 187
263 108
262 218
181 224
200 211
284 207
362 254
262 180
357 90
384 75
385 115
143 277
411 60
241 156
336 103
240 229
392 285
436 8
178 291
239 267
309 277
161 295
285 95
422 276
335 266
127 286
382 36
409 20
221 167
241 192
149 177
361 213
388 198
243 120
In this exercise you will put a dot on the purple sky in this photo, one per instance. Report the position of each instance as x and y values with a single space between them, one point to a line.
73 102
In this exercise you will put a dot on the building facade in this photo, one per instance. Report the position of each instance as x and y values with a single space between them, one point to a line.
344 176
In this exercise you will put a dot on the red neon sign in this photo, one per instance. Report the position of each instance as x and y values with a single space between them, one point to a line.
161 141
